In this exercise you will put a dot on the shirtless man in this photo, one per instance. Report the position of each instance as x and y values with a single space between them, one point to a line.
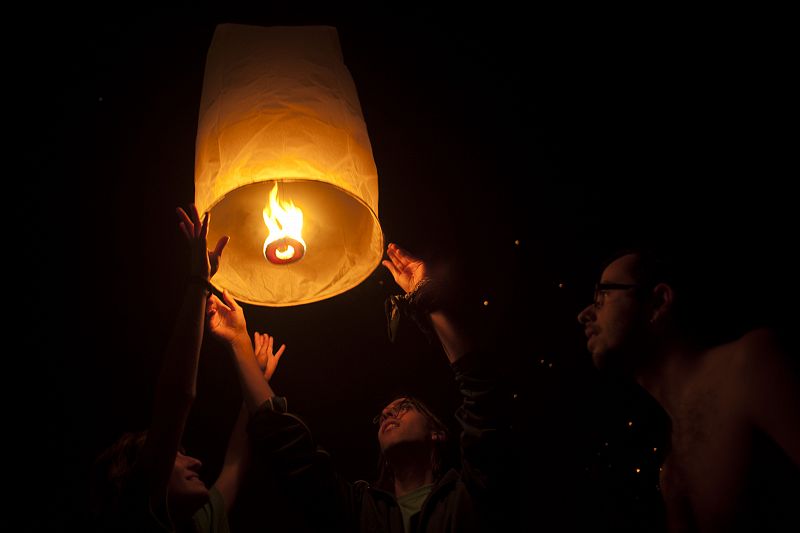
734 406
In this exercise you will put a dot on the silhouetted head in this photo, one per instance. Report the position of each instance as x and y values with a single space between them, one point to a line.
646 297
116 478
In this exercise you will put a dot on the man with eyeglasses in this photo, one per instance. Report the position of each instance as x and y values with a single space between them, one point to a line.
414 492
734 404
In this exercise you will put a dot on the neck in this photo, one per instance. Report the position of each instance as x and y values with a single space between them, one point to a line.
409 480
669 371
410 470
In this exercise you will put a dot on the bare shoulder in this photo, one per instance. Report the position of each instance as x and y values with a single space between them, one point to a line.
758 349
760 339
757 367
767 373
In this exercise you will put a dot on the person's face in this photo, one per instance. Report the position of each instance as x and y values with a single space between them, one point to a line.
186 489
615 322
401 422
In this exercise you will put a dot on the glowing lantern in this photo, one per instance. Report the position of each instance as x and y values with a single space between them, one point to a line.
285 166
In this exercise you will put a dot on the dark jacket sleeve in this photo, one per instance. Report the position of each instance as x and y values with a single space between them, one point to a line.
483 418
284 449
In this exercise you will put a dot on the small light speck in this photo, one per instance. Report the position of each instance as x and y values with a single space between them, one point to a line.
638 470
606 444
630 423
655 449
486 302
516 241
100 99
380 282
560 285
515 396
541 361
549 365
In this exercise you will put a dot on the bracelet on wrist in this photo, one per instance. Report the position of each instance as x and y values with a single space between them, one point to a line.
209 287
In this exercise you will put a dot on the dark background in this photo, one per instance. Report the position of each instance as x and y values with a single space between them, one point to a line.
573 133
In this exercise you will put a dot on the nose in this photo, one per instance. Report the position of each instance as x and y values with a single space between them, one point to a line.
586 314
193 463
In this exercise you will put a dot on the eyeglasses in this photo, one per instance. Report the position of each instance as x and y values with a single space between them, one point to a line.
601 289
395 412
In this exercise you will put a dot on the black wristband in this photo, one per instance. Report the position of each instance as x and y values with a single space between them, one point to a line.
205 283
417 305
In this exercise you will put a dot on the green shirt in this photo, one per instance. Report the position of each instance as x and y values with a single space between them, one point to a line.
411 503
212 517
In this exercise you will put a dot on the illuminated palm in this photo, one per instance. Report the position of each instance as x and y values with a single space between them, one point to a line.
205 263
406 269
225 319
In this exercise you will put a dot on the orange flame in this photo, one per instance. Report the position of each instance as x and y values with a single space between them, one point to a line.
284 243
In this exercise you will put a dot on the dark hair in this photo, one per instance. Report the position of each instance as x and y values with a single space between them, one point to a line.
439 461
111 473
700 282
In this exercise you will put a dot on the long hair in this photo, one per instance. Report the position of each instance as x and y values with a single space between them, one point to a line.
111 473
440 458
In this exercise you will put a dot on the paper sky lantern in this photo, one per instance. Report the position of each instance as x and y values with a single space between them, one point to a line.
285 166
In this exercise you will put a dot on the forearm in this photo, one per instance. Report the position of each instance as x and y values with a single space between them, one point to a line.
179 371
237 458
255 389
454 340
175 389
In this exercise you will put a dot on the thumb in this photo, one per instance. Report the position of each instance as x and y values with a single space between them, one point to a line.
226 296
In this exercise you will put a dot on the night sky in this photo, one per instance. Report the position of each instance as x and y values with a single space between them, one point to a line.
516 150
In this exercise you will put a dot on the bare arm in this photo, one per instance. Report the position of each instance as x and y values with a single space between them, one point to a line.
237 456
176 385
226 322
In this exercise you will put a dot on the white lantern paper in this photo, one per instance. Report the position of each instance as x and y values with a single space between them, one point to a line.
280 107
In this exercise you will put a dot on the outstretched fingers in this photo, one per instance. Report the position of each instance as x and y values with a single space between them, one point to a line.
185 223
221 243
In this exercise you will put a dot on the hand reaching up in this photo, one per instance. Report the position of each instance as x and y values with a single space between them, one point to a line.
205 262
267 360
407 270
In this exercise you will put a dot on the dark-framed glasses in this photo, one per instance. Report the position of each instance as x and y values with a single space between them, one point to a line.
601 289
395 412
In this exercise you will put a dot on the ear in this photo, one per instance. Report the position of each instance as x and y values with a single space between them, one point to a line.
663 298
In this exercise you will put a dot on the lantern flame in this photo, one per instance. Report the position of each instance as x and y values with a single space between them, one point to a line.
284 243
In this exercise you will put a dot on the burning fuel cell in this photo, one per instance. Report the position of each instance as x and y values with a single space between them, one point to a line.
284 244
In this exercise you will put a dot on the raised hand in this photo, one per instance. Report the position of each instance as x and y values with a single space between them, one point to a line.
225 320
267 360
407 270
204 262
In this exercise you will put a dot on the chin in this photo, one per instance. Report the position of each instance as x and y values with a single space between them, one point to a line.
599 359
387 443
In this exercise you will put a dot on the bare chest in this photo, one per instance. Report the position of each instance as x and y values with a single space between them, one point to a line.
705 472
